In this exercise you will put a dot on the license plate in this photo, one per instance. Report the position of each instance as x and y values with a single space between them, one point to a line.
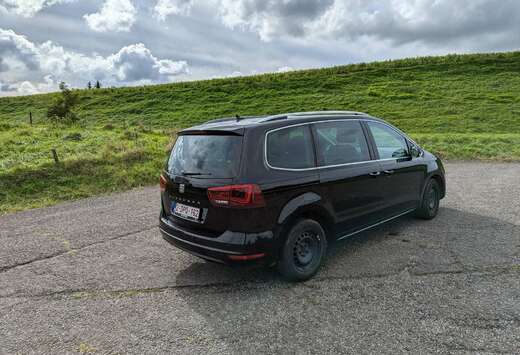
185 211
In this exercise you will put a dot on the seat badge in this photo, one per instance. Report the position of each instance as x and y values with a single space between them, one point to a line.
181 188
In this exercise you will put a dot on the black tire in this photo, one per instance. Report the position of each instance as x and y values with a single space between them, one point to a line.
303 251
430 201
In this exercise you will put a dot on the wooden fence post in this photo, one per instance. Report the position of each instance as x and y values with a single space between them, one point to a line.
55 156
30 118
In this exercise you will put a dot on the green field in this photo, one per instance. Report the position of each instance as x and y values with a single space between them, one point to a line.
458 106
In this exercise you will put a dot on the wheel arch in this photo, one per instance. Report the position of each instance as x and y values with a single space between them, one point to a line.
306 206
440 181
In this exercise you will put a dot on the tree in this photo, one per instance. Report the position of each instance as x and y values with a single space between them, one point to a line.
98 84
89 85
61 108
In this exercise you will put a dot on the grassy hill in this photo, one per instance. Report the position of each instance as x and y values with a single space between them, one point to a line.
459 106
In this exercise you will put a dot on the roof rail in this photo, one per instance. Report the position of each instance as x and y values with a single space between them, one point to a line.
317 113
327 113
222 119
235 118
275 118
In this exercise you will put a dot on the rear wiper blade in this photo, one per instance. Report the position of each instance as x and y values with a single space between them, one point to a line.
193 174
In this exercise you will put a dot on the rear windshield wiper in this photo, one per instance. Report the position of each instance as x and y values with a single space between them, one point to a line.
193 174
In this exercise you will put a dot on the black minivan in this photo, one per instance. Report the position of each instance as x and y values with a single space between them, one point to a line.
276 190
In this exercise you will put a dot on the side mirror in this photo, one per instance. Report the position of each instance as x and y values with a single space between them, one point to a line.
415 151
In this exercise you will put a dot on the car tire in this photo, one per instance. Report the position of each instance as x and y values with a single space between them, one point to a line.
430 201
303 251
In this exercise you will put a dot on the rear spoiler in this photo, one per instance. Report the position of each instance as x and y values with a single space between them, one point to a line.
212 132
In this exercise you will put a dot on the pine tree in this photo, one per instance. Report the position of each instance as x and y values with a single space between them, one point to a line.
89 85
98 84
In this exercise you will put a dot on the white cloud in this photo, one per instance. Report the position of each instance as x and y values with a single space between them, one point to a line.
26 88
136 63
270 18
6 87
133 64
114 15
29 88
14 48
27 8
284 69
165 8
399 21
405 21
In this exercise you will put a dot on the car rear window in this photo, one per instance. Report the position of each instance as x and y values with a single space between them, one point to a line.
206 156
290 148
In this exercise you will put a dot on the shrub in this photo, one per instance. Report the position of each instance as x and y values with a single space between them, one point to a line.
61 108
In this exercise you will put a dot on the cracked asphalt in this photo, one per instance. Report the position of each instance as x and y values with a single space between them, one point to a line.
95 276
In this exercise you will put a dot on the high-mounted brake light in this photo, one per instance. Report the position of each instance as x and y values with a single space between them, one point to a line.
247 195
162 183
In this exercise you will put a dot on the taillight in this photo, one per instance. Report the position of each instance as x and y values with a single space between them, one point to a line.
247 195
162 183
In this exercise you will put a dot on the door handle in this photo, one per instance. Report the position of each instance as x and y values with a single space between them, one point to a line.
388 172
377 173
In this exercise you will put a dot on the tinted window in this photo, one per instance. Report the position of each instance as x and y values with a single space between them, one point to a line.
290 148
389 143
340 143
206 155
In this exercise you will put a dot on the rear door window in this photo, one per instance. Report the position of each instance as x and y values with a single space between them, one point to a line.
290 148
340 142
389 143
206 156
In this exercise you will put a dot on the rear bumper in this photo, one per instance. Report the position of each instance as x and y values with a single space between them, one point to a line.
226 248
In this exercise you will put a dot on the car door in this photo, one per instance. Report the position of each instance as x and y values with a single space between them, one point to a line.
348 174
401 176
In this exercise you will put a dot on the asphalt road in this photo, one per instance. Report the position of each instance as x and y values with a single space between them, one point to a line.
95 276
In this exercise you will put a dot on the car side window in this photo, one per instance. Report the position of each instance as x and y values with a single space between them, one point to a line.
290 148
389 143
340 142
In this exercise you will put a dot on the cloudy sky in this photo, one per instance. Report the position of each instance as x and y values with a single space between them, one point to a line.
136 42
